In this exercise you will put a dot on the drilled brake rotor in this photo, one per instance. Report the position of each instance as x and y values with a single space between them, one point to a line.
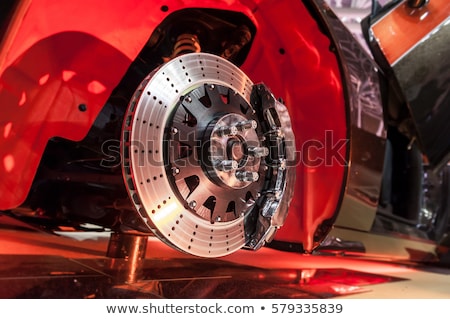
205 156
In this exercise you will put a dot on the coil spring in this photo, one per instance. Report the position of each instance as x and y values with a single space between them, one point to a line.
186 43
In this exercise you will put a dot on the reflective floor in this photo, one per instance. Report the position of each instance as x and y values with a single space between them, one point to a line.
34 264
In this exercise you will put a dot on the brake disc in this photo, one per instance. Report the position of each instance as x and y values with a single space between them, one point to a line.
207 156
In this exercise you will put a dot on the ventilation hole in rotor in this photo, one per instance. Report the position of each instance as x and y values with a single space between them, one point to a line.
148 93
189 80
244 109
183 67
177 222
156 151
173 228
282 51
184 150
153 211
192 240
210 245
130 183
196 226
225 98
194 233
161 175
211 237
155 178
181 61
154 97
164 202
210 203
157 126
159 206
189 119
136 199
181 216
150 151
231 208
164 8
189 247
135 151
206 101
148 180
192 183
150 124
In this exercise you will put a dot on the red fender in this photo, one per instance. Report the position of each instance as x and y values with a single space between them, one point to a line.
60 61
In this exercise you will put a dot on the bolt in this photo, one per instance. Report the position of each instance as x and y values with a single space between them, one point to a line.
174 130
211 87
244 176
188 99
227 165
192 204
218 219
258 151
175 171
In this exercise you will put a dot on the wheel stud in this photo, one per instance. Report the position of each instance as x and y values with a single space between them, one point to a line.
244 176
227 131
258 151
227 165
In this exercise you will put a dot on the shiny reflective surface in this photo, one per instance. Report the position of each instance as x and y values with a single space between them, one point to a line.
34 264
43 276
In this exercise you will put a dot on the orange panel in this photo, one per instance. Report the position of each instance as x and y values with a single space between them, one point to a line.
401 29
